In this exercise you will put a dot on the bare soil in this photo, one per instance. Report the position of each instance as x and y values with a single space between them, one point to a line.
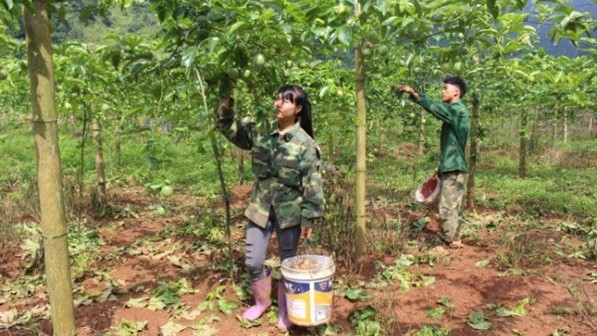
562 297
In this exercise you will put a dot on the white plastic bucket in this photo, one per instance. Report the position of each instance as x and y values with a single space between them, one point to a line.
308 286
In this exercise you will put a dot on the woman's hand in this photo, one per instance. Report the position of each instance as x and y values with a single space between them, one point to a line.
306 232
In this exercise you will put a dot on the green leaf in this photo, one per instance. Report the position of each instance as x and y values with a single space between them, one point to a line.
156 304
137 302
8 4
204 330
368 328
446 302
212 43
227 307
189 55
171 329
358 294
236 26
482 262
519 309
502 311
323 91
86 12
246 323
368 313
418 8
389 21
191 315
436 313
345 35
477 320
492 8
8 317
129 328
205 305
428 280
430 330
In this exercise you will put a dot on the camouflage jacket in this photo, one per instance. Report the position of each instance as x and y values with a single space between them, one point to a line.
286 168
453 135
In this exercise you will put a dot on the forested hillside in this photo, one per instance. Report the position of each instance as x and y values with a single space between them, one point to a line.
88 21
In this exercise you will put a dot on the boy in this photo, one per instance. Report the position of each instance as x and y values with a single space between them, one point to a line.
453 165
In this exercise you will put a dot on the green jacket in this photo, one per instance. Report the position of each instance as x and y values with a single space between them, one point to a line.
286 169
454 132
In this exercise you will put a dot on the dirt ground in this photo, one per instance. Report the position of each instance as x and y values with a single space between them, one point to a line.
562 297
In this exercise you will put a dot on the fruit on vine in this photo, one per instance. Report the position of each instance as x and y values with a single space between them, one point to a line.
161 210
259 60
247 74
289 64
167 191
382 50
233 73
366 52
457 66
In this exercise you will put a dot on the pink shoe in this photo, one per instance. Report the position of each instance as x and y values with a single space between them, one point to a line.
262 291
283 322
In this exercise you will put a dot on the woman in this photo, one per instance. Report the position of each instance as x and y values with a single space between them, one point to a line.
287 194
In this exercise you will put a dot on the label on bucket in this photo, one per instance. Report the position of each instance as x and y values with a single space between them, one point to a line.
309 303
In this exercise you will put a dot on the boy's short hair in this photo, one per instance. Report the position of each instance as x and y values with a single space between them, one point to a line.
458 82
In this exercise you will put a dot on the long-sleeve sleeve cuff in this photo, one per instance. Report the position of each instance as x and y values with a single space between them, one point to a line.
306 222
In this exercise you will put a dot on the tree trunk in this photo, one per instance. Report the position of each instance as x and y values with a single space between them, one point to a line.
361 151
565 126
554 131
49 172
554 134
474 153
100 196
239 154
522 151
118 146
534 138
81 172
421 139
218 158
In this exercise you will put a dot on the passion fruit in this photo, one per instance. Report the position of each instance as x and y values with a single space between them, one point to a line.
167 191
259 60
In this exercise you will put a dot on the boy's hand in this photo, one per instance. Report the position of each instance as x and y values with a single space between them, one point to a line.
409 90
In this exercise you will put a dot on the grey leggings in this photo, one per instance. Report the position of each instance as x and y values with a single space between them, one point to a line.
257 241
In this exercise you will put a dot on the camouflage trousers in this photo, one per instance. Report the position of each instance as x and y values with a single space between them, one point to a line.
450 203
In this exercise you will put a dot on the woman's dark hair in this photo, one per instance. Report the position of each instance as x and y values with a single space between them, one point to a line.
458 82
298 96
